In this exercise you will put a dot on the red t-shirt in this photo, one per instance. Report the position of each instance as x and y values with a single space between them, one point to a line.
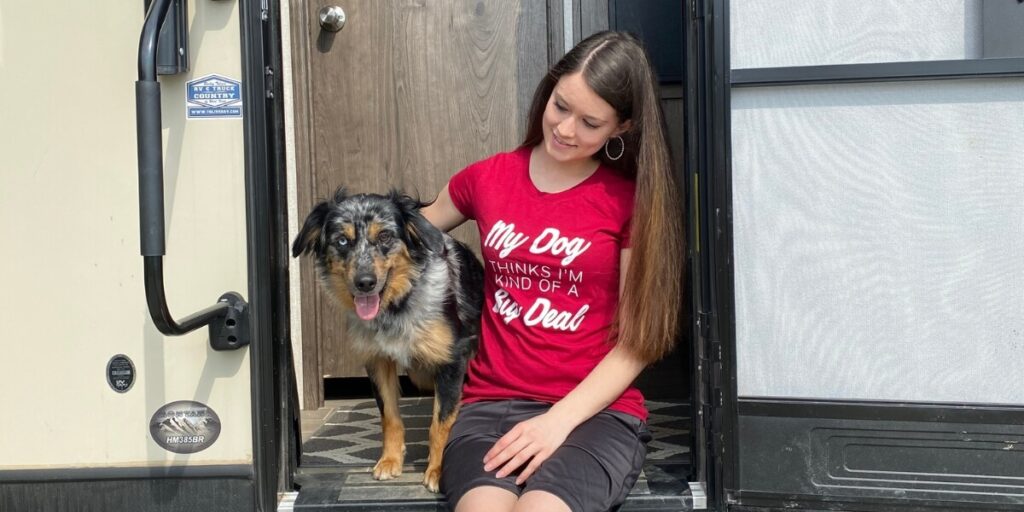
551 278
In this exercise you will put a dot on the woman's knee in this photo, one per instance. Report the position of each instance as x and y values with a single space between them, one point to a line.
541 501
486 498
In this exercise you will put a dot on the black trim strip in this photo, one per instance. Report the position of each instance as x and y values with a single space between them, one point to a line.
260 235
286 398
241 471
878 72
883 410
145 494
717 226
695 155
759 500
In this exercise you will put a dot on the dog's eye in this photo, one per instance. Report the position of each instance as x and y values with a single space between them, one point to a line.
342 242
383 237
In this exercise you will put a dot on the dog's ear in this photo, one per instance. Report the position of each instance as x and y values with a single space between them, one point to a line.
340 195
309 237
419 232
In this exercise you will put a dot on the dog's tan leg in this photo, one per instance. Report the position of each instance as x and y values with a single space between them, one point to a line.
439 430
385 378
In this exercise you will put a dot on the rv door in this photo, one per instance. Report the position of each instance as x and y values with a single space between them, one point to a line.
865 222
111 401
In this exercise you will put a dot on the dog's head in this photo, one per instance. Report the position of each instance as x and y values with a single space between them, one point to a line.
368 248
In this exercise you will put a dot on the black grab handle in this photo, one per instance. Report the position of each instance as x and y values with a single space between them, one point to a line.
228 318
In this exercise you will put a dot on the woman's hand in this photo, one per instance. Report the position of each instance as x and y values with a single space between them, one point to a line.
532 440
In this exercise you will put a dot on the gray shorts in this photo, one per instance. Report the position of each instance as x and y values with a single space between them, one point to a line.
593 471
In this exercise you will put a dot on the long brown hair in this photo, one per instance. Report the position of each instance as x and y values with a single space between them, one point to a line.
616 67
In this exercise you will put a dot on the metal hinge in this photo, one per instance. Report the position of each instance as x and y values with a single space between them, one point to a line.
715 351
704 319
711 363
268 72
715 401
714 347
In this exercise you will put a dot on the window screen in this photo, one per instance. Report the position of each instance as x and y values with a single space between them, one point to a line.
879 240
782 33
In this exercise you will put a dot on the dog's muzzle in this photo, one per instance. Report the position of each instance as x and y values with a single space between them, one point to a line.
367 297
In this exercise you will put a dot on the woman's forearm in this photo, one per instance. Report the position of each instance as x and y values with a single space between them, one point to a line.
605 383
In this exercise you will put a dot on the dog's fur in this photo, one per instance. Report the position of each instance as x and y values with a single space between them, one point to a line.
413 297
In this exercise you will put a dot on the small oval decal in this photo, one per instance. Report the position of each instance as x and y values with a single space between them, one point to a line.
185 426
120 373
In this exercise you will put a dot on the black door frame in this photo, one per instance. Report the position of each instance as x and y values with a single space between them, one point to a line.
716 233
707 124
695 176
275 427
718 272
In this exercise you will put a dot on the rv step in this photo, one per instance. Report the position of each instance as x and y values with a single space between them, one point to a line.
661 487
334 474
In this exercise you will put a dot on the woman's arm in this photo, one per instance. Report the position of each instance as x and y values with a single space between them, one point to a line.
442 213
537 438
607 380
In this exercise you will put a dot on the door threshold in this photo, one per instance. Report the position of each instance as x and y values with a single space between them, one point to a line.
330 489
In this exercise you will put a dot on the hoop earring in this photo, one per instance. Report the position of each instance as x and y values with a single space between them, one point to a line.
622 145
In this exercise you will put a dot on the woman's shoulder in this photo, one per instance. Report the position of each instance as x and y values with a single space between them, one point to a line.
496 165
511 157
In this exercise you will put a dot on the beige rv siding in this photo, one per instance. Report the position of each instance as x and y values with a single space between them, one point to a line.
70 270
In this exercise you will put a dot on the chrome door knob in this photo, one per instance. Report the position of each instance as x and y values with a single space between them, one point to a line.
332 18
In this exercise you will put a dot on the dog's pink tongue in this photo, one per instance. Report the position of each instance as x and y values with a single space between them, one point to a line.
367 306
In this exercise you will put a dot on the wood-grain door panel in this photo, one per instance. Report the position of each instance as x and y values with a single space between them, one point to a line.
405 95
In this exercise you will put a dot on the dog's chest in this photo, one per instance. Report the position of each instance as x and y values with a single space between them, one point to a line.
393 341
417 332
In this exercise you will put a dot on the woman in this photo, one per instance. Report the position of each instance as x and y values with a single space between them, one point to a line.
581 235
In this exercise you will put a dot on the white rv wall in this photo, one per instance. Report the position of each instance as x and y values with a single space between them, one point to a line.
71 272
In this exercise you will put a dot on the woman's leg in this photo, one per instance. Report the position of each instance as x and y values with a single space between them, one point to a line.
540 501
487 498
495 499
465 484
593 470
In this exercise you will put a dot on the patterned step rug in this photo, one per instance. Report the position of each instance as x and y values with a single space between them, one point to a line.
350 435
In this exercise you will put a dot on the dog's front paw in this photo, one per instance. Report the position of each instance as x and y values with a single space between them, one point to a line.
387 468
432 479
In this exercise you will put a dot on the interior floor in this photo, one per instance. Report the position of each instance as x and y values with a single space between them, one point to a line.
338 454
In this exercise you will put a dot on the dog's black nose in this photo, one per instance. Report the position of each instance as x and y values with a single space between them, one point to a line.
366 283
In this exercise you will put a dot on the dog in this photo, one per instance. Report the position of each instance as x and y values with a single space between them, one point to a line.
413 297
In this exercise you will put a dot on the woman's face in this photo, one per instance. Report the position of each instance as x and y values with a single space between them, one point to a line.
577 122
